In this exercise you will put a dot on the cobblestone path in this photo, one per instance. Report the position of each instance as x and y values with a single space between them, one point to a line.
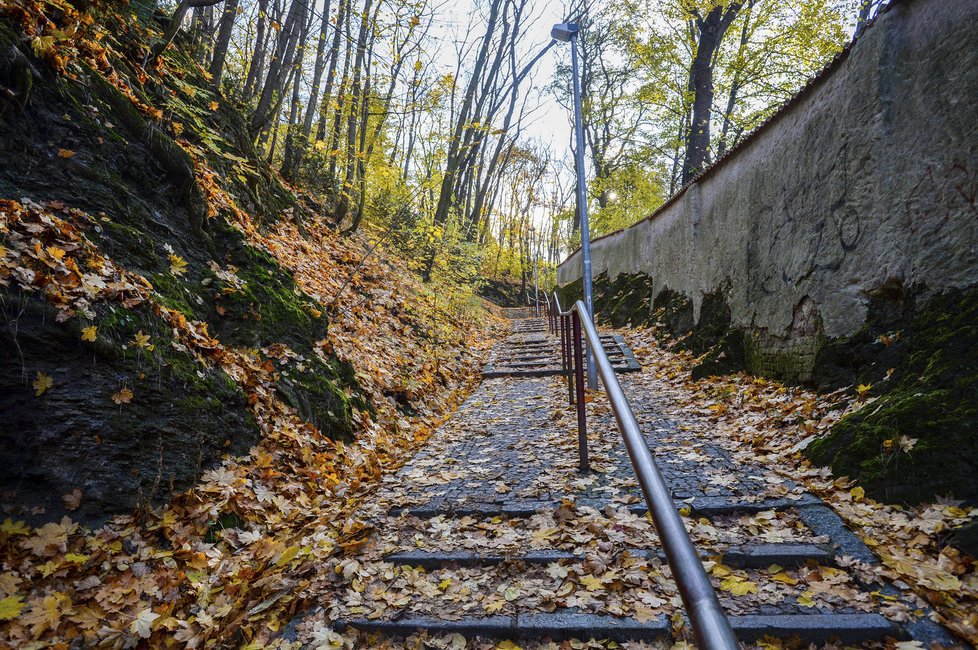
492 534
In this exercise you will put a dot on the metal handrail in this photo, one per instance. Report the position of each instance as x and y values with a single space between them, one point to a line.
708 620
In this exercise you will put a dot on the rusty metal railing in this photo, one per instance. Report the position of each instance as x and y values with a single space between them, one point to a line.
710 625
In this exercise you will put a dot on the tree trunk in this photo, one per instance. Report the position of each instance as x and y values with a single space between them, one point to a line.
223 40
336 134
334 56
280 65
257 64
711 31
346 193
291 145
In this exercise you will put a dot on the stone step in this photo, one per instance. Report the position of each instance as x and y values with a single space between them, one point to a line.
560 625
741 556
708 507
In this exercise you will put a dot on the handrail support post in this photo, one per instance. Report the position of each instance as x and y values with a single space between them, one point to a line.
585 465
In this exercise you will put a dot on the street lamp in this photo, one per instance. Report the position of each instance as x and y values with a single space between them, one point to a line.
568 32
534 247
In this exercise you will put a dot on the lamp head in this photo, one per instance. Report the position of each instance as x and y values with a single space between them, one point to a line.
564 31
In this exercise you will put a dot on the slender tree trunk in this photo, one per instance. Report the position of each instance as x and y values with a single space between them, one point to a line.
334 55
223 40
257 64
281 64
356 98
289 163
334 143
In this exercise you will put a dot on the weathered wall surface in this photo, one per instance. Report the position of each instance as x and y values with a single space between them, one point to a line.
866 184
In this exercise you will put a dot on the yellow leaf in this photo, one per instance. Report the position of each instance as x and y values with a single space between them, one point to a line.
213 106
805 600
858 493
55 252
143 625
11 527
41 45
75 558
738 586
65 153
863 390
785 578
287 555
11 607
178 266
142 340
507 645
592 583
42 383
88 333
494 605
124 396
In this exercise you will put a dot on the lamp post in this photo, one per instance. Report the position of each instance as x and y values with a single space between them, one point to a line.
568 32
534 247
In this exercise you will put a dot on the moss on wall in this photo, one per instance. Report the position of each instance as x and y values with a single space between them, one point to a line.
930 396
921 360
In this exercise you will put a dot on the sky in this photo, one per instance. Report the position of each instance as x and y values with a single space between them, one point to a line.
550 122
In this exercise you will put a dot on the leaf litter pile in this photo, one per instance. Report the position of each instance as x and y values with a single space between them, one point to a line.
167 577
616 567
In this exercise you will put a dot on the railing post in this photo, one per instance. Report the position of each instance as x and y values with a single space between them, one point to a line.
579 386
569 355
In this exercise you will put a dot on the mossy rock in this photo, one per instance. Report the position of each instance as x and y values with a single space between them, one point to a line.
930 397
183 416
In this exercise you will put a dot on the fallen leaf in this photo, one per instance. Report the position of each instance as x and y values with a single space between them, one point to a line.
124 396
143 625
178 265
42 383
11 607
72 500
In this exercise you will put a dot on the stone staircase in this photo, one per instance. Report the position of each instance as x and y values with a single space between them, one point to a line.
492 534
531 351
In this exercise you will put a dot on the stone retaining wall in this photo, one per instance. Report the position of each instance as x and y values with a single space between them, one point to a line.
862 189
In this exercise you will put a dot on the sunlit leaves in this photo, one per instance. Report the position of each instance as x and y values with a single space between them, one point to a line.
89 333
